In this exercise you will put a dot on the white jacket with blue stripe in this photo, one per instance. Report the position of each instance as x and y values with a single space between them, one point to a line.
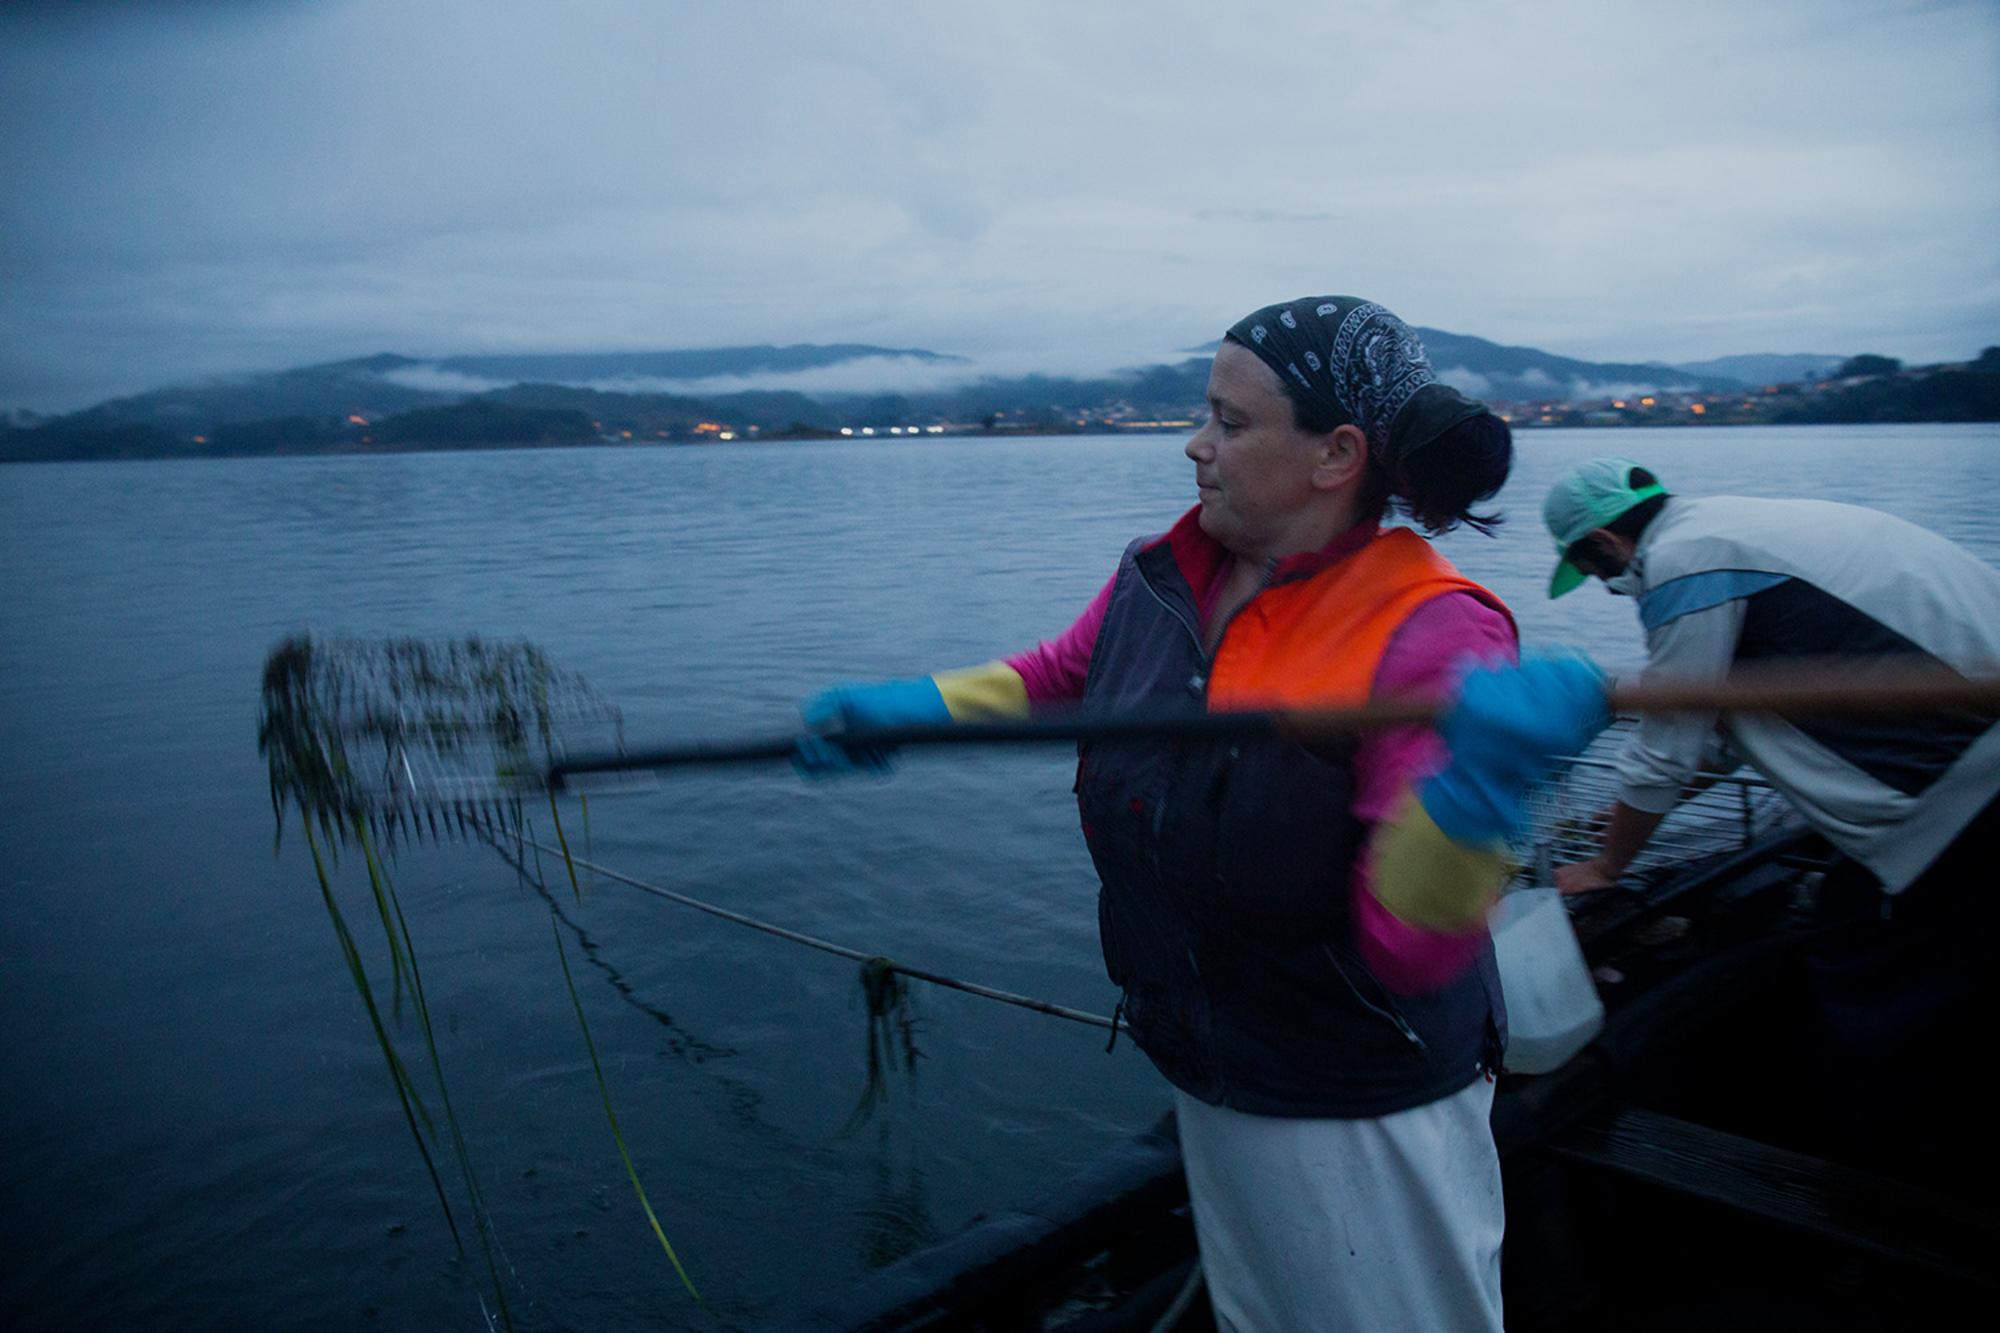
1728 579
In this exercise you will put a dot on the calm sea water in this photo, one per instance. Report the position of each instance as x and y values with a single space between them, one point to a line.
197 1130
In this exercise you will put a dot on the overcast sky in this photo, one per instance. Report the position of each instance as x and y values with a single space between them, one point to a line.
203 188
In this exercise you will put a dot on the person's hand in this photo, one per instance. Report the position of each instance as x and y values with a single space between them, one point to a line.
1508 729
856 705
1584 876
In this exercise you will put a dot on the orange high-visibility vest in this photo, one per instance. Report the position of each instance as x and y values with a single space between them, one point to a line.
1316 642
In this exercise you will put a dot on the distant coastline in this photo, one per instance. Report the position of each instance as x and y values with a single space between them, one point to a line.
362 407
974 434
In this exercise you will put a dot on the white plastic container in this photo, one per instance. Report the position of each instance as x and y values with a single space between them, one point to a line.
1552 1006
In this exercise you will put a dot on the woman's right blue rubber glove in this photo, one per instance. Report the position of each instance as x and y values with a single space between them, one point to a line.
914 701
1507 730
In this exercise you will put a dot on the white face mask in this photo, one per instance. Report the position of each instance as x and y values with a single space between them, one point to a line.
1628 584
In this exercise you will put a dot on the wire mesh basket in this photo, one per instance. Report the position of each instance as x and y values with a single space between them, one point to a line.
1564 819
382 731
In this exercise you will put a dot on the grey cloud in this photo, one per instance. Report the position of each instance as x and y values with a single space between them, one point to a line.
1589 390
196 190
1468 382
871 374
438 380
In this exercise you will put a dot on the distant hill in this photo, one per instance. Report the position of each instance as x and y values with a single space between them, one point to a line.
373 387
1965 392
1757 369
376 386
687 364
389 402
1499 373
335 389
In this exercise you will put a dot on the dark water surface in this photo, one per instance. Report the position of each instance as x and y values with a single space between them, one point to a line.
196 1128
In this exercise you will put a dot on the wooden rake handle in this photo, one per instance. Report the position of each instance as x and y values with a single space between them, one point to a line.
1794 690
1793 693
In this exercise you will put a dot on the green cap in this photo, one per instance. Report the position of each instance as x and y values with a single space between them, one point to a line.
1590 496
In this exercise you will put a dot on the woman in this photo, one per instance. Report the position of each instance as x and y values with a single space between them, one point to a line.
1299 933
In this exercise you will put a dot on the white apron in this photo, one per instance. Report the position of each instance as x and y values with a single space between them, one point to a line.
1317 1226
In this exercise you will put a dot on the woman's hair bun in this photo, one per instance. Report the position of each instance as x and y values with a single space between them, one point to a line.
1438 484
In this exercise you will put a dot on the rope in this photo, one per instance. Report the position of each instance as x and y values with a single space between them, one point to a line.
875 961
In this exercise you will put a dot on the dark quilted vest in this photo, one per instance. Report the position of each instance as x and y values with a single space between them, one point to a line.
1225 870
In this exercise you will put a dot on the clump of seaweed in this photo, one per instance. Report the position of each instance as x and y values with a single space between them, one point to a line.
892 1033
375 741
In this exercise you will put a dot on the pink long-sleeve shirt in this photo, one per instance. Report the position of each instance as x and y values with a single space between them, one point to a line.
1423 658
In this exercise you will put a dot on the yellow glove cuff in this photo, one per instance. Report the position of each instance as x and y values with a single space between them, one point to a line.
1425 879
983 693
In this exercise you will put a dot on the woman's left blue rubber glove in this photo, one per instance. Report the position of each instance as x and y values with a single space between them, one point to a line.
1509 729
914 701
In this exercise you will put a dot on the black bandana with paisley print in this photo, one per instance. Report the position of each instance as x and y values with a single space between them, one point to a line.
1362 365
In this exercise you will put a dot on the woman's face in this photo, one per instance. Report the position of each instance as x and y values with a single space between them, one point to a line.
1255 468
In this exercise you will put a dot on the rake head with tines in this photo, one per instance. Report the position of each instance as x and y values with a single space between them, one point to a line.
407 737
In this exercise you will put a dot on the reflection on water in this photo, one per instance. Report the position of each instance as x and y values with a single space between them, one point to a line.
200 1130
